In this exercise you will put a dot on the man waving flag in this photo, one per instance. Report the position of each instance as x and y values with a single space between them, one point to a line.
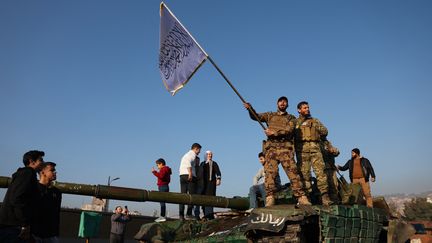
180 55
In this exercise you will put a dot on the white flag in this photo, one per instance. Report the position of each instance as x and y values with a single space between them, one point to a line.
180 55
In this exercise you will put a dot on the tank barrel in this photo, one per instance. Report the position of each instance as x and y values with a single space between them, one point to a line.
140 195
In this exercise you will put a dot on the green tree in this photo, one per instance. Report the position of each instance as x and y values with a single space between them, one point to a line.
418 209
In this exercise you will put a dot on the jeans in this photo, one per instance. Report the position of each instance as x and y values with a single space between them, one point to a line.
253 191
163 188
53 239
10 234
197 208
186 187
116 238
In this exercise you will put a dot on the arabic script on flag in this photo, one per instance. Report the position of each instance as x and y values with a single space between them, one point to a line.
180 55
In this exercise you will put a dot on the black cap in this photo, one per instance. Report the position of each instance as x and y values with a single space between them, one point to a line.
356 150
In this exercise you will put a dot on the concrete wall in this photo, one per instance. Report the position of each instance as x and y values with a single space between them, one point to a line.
70 220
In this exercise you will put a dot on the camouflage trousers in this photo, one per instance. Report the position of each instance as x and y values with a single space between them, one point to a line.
332 182
285 156
308 160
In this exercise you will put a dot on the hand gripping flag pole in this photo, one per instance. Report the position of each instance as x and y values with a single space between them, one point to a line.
180 56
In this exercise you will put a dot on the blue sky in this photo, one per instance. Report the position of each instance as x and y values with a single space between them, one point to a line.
80 81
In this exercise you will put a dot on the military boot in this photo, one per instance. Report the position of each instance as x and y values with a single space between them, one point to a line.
303 200
270 201
326 200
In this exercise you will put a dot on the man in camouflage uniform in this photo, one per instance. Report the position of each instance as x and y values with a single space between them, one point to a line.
329 153
279 149
308 133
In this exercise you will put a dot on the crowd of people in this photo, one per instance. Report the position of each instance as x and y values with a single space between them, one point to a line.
196 177
31 206
304 137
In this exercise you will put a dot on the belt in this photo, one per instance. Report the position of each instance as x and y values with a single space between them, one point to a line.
279 140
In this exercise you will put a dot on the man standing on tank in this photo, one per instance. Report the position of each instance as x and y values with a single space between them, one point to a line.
308 134
360 170
330 153
188 177
279 148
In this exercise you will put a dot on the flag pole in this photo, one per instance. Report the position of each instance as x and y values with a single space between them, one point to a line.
235 90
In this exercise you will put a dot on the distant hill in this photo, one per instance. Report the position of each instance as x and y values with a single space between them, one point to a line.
399 199
410 195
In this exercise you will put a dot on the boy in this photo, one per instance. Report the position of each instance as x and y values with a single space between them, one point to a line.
164 178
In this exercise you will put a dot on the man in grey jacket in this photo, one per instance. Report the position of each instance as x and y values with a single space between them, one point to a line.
258 184
118 224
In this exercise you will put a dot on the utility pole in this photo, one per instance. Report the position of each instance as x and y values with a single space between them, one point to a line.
109 184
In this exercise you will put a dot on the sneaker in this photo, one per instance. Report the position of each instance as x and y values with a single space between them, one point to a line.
160 219
249 210
182 218
303 200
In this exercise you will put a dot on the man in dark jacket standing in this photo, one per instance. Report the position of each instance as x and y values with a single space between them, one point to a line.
211 177
17 211
46 227
359 171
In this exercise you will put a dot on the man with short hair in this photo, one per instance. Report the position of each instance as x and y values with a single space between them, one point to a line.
188 177
47 224
360 169
279 148
211 178
118 224
19 204
308 134
258 184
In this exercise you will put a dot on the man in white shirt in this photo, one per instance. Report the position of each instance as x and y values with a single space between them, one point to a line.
187 174
258 184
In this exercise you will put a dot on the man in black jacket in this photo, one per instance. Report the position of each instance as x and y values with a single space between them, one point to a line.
360 169
17 211
211 177
46 225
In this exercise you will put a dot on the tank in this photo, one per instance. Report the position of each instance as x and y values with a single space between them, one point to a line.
349 221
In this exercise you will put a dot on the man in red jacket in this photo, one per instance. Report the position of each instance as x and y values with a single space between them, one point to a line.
164 178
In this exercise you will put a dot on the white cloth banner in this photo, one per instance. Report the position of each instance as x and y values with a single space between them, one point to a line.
180 55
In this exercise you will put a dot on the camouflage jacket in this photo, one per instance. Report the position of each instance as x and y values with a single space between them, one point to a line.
308 133
281 123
